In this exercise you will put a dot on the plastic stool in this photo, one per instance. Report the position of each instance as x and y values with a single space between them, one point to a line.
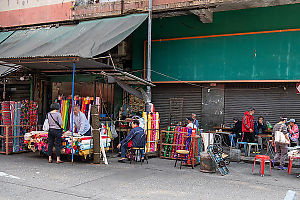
181 153
136 154
263 159
245 146
255 145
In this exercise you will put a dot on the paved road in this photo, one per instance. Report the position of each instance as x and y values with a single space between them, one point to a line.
29 176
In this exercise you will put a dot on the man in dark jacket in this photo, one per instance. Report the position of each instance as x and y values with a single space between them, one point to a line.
260 127
136 138
236 131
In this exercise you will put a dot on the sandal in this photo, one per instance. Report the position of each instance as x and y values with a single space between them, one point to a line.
50 161
57 162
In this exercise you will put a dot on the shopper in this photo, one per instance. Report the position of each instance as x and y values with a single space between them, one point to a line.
293 131
236 131
247 126
55 131
195 121
80 122
281 138
136 138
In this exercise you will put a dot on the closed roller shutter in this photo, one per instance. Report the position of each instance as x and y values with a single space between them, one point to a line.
191 95
271 102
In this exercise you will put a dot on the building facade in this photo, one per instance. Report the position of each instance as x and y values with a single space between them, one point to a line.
215 58
244 58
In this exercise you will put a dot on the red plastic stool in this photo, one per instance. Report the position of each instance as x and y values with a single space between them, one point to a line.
263 159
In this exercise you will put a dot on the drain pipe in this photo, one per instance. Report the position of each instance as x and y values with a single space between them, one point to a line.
149 56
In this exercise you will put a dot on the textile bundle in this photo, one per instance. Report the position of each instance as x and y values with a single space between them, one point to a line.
181 138
82 145
152 130
84 104
21 117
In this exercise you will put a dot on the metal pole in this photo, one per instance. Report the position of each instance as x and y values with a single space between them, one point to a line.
72 126
31 88
149 56
4 89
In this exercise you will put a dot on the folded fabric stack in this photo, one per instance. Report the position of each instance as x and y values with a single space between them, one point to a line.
82 145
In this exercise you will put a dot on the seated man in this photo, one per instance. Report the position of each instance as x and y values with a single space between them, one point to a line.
80 122
137 138
236 131
260 127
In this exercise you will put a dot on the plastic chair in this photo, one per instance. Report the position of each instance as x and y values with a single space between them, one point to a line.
245 146
263 159
250 145
291 159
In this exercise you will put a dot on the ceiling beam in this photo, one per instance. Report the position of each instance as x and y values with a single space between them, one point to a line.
205 15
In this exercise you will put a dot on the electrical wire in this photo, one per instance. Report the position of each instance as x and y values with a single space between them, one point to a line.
175 78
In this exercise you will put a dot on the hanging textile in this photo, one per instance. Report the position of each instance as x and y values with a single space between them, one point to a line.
151 130
21 117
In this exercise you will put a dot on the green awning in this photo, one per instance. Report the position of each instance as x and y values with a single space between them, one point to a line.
86 39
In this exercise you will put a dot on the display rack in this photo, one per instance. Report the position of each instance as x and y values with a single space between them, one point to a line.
180 139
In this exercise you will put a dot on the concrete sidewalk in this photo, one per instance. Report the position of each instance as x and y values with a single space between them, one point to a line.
29 176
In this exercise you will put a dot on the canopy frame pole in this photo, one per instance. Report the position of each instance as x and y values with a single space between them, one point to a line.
149 56
72 114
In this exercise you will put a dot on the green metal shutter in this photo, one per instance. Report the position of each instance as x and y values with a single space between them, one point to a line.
191 95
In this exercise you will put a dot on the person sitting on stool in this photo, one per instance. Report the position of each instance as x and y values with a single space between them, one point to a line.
81 123
136 137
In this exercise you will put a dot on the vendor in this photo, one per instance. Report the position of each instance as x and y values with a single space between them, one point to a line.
81 123
136 138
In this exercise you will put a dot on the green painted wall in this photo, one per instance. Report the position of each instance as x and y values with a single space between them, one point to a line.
256 57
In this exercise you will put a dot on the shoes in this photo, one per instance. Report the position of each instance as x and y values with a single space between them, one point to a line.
121 161
57 162
50 161
273 163
282 168
298 176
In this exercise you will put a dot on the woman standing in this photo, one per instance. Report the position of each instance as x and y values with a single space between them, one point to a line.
282 140
55 131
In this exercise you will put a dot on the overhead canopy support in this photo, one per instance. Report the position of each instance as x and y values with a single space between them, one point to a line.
205 15
7 68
